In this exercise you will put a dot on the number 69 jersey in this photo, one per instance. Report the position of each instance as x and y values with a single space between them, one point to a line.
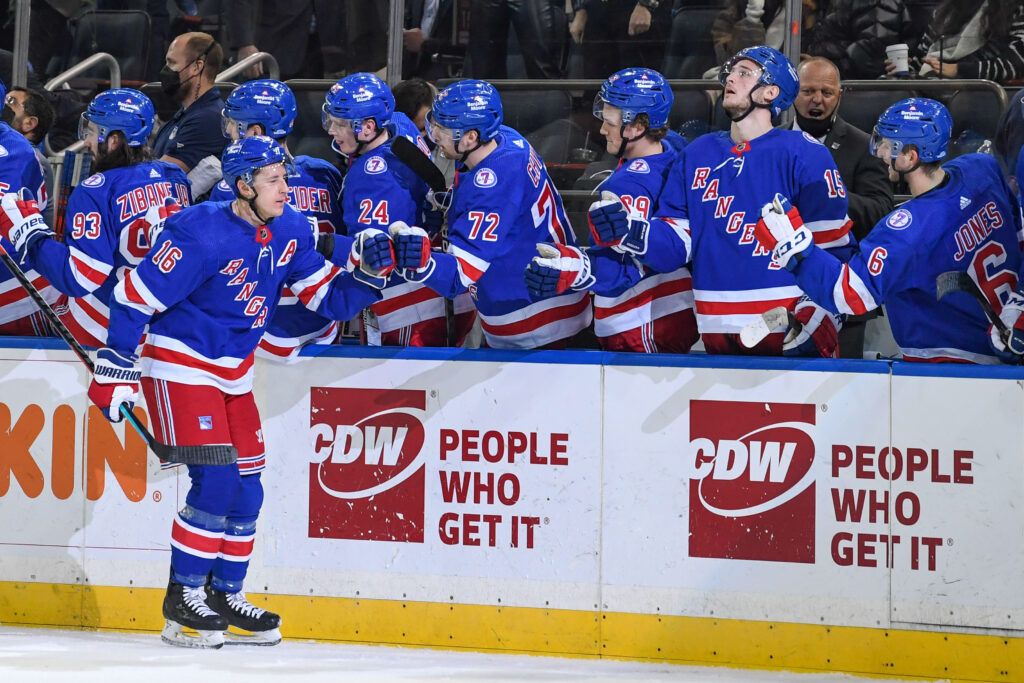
106 235
500 210
971 224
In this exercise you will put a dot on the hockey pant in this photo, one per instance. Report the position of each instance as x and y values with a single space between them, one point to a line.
214 531
672 333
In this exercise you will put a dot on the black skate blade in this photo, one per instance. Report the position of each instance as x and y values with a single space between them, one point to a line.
252 638
180 636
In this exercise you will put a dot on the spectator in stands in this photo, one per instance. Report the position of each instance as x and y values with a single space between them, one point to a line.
413 97
539 27
68 105
615 34
865 176
20 169
427 34
192 138
48 30
28 112
1010 138
854 33
303 35
966 40
743 23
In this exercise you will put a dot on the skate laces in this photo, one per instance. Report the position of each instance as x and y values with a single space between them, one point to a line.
195 598
239 603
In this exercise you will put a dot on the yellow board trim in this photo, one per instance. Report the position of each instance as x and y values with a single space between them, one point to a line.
640 637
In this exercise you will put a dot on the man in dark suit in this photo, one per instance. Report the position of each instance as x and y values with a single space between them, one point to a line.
428 32
866 178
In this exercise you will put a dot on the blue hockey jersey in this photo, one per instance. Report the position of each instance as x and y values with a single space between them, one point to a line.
314 192
624 297
106 234
971 224
19 168
710 206
500 210
380 190
210 285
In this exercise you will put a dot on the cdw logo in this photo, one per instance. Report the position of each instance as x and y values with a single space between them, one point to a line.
366 478
751 481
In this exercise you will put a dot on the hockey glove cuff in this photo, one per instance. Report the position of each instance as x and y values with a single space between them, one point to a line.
1011 349
412 251
21 222
813 331
608 220
157 215
781 230
371 258
115 381
557 269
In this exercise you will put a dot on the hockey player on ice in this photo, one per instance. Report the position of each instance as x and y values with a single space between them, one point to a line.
267 107
712 201
502 204
963 217
109 215
635 309
359 114
207 290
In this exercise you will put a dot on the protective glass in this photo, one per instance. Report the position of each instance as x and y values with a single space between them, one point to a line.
883 147
743 72
87 128
330 122
603 111
230 128
438 134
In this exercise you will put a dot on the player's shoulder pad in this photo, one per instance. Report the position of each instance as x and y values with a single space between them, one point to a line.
291 221
674 142
311 164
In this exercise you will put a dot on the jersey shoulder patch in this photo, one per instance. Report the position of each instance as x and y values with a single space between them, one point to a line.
95 180
375 165
899 219
638 166
485 177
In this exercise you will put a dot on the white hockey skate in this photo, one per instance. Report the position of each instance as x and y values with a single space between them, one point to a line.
190 621
252 625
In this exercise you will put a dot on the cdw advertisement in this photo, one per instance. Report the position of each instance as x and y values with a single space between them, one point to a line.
483 471
791 490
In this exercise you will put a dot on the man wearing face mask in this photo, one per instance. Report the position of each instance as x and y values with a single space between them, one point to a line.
192 139
867 181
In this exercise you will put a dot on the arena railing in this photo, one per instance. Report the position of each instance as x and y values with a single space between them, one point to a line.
272 70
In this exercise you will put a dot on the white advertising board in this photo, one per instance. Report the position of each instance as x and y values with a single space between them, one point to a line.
436 479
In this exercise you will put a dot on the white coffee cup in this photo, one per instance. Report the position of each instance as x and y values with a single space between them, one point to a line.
899 56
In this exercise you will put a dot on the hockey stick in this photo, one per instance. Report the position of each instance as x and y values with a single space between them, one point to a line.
754 332
188 455
420 164
959 281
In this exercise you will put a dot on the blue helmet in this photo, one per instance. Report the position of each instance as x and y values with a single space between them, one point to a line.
776 70
123 109
468 105
359 97
636 91
242 158
266 102
917 121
